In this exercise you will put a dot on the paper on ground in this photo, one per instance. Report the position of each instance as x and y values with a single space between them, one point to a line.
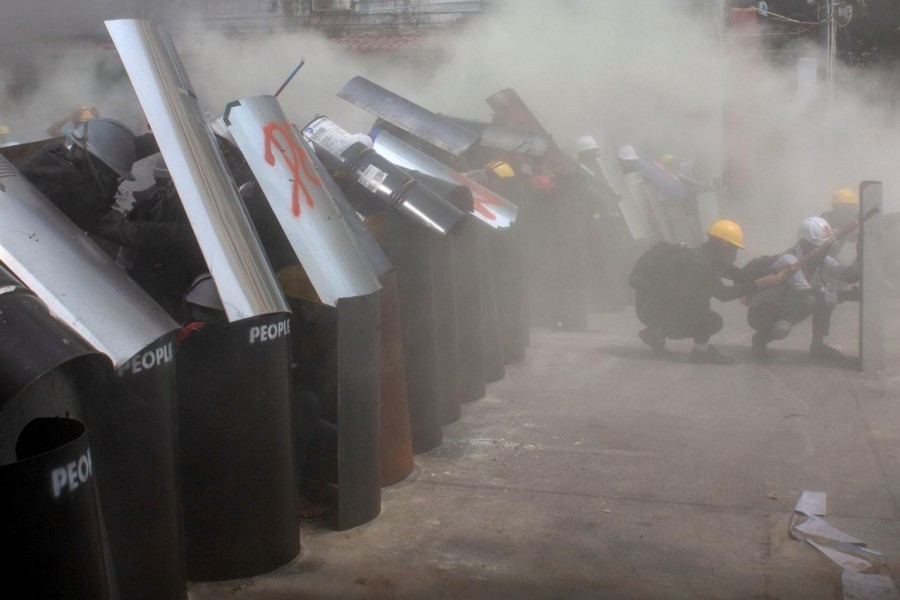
860 586
847 561
811 504
823 532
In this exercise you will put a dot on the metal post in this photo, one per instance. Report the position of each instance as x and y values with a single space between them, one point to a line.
871 322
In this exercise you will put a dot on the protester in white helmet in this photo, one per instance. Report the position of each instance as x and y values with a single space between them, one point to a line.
774 312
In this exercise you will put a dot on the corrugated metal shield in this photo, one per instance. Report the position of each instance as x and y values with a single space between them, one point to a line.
233 253
281 161
491 208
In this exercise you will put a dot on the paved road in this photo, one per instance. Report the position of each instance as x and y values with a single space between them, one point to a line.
595 470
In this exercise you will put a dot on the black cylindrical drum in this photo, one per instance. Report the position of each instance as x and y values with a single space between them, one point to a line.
234 427
50 522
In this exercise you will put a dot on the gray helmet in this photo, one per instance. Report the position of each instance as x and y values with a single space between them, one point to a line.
108 140
160 170
203 292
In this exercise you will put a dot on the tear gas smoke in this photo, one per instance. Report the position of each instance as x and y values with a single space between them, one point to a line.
643 72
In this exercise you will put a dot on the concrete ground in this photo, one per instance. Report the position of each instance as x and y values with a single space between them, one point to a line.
596 470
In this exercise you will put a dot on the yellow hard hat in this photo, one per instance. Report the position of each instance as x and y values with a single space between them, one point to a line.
728 231
667 160
501 169
845 196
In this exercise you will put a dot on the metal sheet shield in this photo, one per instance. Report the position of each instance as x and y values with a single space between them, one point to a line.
491 208
233 253
281 160
434 129
77 281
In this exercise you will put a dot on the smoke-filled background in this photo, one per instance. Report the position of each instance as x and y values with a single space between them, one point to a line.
664 76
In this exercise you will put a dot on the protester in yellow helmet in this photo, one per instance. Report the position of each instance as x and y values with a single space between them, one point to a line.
674 285
844 211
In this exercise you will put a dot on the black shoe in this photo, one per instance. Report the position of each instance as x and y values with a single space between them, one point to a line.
822 351
760 353
654 339
712 356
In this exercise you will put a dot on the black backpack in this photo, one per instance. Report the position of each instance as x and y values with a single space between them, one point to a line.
649 270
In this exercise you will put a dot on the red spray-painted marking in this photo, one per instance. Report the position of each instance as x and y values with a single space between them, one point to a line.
481 196
296 159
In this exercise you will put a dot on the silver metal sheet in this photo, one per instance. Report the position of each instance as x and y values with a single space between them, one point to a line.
637 191
434 129
77 281
233 253
513 140
871 318
313 224
505 138
633 213
491 208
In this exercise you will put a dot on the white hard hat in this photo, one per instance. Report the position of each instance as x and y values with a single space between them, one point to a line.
585 143
203 292
814 230
628 153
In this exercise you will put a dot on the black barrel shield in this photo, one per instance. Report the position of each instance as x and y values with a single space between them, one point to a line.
445 328
46 369
50 521
234 427
409 248
359 384
134 446
492 341
469 343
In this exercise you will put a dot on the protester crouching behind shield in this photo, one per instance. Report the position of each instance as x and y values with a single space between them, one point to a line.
610 246
82 176
165 272
805 292
674 285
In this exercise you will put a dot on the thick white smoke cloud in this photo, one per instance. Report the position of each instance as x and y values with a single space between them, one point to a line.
646 72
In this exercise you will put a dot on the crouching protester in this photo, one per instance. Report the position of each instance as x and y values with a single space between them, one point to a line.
674 285
803 292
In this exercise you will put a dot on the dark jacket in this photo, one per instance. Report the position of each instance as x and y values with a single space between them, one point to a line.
80 198
692 277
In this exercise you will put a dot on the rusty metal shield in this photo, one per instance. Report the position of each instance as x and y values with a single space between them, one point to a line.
396 441
510 110
410 250
233 253
435 129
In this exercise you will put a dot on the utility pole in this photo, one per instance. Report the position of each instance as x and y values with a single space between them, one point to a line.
830 48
